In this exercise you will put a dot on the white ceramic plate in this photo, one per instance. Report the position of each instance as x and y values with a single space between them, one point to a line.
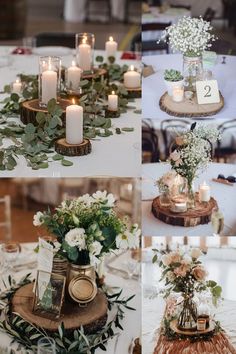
57 51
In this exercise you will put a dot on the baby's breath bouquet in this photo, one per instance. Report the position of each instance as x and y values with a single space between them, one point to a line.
88 227
193 151
189 36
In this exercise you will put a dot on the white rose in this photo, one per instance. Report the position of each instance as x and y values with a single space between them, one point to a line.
86 199
104 197
38 219
187 259
195 253
166 260
95 248
76 238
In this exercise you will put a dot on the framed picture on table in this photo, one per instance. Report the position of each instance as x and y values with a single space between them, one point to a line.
49 294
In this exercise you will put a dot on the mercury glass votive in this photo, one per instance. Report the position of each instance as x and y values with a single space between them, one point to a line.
49 79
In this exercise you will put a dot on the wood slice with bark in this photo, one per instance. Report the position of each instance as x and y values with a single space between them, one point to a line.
92 318
189 108
65 149
200 215
29 110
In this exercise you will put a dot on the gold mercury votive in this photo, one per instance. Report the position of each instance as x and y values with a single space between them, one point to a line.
82 289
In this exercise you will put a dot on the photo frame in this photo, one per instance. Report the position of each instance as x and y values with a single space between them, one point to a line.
49 294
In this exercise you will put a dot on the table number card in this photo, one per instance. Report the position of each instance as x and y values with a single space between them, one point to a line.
207 92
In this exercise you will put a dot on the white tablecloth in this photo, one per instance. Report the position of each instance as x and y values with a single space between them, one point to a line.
131 323
117 155
171 15
153 309
225 196
154 86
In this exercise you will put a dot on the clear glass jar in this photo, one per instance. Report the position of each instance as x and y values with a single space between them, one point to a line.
188 315
192 70
49 79
165 199
72 78
84 43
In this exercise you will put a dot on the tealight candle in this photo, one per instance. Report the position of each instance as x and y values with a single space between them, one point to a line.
201 325
178 94
49 85
73 76
17 86
112 102
179 205
85 53
74 124
132 79
204 193
111 48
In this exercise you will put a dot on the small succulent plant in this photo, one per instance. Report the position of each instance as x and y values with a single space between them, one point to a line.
173 75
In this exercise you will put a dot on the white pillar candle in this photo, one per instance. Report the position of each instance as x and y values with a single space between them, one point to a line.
85 53
132 79
112 102
178 94
111 48
204 193
74 124
73 76
17 86
49 85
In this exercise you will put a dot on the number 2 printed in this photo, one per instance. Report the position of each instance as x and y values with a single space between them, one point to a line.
207 88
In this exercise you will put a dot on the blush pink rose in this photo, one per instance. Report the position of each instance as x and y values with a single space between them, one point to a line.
175 257
182 270
199 273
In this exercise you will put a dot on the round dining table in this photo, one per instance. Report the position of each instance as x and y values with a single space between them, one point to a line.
154 86
116 155
225 196
115 276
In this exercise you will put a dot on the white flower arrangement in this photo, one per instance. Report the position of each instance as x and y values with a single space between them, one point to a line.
88 227
189 36
166 182
193 151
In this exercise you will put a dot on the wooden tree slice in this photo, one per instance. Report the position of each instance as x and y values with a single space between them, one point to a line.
93 317
189 108
218 344
188 333
96 72
29 110
63 148
200 215
134 92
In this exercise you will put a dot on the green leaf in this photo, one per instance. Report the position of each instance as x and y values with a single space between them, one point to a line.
57 157
99 59
40 117
66 163
30 129
43 165
51 105
126 129
15 97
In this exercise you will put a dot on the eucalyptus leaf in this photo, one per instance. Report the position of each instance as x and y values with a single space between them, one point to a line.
127 129
66 162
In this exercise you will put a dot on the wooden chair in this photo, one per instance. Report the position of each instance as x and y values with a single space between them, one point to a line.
6 224
130 4
187 7
150 150
55 39
136 43
105 4
152 45
209 14
169 128
225 153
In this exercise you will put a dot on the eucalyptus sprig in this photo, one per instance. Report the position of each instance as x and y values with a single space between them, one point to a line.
27 335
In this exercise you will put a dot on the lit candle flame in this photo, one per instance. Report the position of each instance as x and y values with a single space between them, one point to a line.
49 63
73 101
17 81
84 40
111 39
113 93
73 63
131 68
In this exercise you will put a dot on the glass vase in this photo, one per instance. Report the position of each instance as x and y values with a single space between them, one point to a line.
187 319
190 195
165 199
49 79
84 44
192 70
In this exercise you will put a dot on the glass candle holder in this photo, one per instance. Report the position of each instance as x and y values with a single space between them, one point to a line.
72 77
84 43
49 79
